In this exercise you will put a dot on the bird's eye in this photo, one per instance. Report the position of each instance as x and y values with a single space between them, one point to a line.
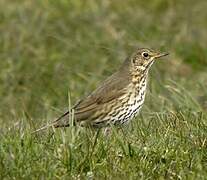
145 55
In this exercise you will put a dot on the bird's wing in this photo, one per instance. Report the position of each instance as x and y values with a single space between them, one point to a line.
112 88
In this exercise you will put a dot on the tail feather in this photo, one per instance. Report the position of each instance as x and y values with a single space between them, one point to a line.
54 123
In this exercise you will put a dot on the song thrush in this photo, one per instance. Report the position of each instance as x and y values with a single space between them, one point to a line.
119 98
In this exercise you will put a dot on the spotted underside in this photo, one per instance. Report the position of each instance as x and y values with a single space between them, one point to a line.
124 109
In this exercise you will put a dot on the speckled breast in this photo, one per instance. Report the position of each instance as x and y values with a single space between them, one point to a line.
128 106
131 108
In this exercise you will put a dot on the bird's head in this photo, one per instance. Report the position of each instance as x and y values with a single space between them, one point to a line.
143 58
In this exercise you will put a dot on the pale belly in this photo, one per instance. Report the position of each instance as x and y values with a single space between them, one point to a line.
129 111
124 113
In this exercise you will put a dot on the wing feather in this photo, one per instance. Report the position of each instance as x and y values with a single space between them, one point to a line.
111 89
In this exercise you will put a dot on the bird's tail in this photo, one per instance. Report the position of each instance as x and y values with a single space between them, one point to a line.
55 123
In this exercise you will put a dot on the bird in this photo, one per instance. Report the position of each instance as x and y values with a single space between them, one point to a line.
118 99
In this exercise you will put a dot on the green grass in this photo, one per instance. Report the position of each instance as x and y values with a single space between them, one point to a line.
49 49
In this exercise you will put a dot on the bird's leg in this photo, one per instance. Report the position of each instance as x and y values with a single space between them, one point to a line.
107 131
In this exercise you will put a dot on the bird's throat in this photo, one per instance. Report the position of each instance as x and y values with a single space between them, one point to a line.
137 78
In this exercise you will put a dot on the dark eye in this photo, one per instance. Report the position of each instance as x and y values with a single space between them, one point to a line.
145 54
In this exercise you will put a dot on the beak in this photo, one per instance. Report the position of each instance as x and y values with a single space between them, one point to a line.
158 55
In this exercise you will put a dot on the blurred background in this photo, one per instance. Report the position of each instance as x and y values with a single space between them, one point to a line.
52 48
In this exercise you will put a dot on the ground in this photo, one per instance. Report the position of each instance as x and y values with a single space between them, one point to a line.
55 52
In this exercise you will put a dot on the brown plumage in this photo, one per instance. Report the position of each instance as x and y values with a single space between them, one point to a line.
119 98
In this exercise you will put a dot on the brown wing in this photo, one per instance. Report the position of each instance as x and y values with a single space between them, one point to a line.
112 88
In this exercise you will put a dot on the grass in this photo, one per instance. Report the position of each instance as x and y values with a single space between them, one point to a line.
49 49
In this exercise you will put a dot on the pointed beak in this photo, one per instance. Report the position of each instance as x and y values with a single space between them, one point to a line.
158 55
